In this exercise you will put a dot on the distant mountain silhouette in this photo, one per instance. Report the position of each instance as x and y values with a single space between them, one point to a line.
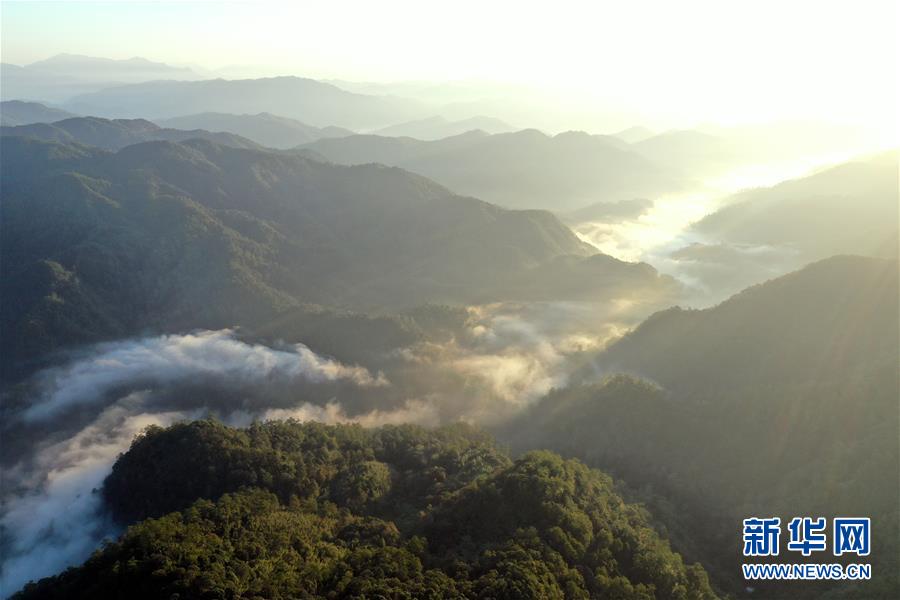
115 134
711 151
634 134
689 152
263 128
18 112
435 128
310 101
525 169
60 77
109 69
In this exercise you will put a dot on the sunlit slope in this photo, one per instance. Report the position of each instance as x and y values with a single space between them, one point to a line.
850 208
781 400
264 128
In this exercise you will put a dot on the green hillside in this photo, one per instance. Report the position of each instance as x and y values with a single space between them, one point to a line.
289 510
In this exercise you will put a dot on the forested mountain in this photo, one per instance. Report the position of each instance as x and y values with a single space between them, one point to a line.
289 510
781 400
435 128
265 129
525 169
167 236
118 133
310 101
18 112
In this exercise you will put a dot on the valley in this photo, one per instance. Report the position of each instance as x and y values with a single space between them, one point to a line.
293 331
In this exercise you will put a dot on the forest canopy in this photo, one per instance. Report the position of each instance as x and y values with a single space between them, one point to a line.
305 510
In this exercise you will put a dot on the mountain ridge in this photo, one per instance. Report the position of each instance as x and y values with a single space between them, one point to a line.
197 234
308 100
263 128
522 169
115 134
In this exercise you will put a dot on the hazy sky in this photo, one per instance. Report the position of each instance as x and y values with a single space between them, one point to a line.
695 60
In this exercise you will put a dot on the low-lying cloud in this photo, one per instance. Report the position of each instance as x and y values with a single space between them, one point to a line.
169 358
52 515
60 519
81 415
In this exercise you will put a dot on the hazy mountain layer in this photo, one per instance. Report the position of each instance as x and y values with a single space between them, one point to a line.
525 169
714 151
435 128
109 69
60 77
310 101
17 112
263 128
850 208
634 134
118 133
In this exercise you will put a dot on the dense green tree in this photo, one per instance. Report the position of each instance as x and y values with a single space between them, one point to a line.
291 510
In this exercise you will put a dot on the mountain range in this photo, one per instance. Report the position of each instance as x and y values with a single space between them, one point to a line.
117 133
435 128
165 236
265 129
523 169
60 77
18 112
307 100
